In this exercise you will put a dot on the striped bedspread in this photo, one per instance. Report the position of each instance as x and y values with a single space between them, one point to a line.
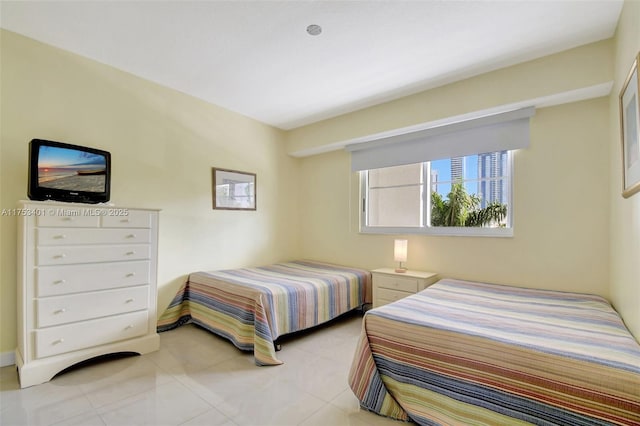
252 307
470 353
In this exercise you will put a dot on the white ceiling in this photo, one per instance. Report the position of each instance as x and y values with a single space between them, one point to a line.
256 58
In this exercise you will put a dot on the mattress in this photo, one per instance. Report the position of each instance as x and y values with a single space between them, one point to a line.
253 307
472 353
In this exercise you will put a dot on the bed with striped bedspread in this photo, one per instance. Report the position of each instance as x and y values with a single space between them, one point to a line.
471 353
252 307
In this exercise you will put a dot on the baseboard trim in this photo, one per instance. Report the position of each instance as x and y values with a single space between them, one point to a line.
7 359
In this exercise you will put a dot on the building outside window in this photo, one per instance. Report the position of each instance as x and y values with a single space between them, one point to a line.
424 197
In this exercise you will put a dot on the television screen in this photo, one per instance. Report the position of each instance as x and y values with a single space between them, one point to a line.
71 169
65 172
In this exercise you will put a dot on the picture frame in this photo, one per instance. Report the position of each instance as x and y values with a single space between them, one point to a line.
233 190
630 132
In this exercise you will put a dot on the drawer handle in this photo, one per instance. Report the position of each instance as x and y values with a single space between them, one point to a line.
60 311
67 218
129 300
129 327
57 342
129 253
131 236
60 256
131 274
124 220
56 282
59 237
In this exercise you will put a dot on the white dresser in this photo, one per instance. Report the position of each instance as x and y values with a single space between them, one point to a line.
389 286
86 285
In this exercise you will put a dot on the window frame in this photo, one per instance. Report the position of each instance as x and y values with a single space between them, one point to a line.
454 231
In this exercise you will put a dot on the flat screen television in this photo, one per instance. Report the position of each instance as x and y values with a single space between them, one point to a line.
65 172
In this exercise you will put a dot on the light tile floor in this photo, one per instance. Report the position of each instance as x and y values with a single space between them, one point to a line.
200 379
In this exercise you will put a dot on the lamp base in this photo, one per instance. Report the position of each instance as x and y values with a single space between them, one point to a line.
401 270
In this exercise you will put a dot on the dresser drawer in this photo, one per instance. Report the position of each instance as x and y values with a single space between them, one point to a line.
57 280
83 306
71 337
64 255
70 236
72 219
122 218
396 283
386 295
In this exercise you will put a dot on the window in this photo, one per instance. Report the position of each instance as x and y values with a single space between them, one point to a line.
453 177
468 195
395 196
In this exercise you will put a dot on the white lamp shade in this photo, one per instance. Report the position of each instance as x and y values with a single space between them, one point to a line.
400 251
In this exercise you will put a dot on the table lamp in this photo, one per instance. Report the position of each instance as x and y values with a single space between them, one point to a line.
400 254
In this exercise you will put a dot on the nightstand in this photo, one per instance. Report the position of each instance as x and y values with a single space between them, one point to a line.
389 285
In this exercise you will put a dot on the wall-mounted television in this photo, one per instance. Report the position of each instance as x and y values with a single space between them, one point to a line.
65 172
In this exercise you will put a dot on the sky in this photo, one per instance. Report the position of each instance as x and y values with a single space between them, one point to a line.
443 167
60 157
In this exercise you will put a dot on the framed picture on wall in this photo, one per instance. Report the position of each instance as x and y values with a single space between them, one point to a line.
630 132
233 190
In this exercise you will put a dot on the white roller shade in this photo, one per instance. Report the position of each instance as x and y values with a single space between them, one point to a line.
498 132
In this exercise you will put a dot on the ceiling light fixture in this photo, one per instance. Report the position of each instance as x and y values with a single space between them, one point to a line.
314 29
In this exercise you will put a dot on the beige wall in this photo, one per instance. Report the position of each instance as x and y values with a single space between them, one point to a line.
567 71
560 241
625 213
163 145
